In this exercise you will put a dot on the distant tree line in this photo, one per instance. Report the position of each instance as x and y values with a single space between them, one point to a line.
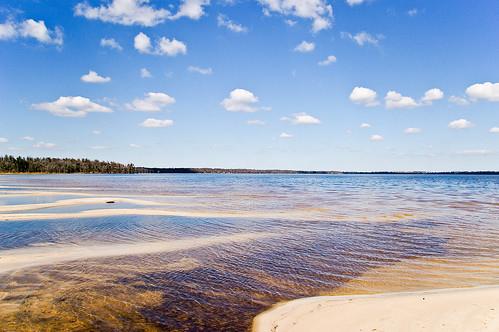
11 164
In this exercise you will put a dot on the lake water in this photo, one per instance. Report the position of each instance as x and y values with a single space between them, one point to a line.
208 252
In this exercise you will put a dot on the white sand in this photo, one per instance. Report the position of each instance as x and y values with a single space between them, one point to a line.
75 202
15 259
472 309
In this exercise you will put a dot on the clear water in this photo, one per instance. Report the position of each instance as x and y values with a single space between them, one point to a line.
329 234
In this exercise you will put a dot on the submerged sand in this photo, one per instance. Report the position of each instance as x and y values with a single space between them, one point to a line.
15 259
473 309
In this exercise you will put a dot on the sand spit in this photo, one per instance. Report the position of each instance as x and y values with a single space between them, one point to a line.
15 259
472 309
74 202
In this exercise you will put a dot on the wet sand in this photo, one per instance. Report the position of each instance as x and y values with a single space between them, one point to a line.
474 309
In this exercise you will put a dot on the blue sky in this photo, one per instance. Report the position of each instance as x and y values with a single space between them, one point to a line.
298 84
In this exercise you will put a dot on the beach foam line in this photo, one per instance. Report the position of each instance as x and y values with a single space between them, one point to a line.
471 309
15 259
74 202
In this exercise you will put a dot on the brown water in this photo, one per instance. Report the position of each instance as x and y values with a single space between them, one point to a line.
254 240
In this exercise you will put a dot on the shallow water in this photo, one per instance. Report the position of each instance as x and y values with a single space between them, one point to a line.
258 240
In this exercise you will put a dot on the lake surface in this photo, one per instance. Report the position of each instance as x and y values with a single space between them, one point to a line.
210 251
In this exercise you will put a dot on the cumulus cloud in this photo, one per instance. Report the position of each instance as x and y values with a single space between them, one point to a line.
376 138
329 60
110 43
192 9
431 95
393 99
460 124
3 140
255 122
494 130
485 91
223 21
44 145
144 73
93 77
459 100
302 118
76 107
133 145
363 38
364 96
200 70
241 100
31 29
285 135
156 123
412 130
290 23
304 47
365 125
319 11
28 138
153 102
164 46
125 12
355 2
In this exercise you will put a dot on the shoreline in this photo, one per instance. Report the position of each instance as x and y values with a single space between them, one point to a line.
451 309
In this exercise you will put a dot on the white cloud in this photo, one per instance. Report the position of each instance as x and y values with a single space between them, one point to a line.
477 152
110 43
133 145
93 77
285 135
302 118
376 138
3 140
329 60
164 46
240 100
460 124
71 107
412 12
319 11
44 145
125 12
355 2
459 100
31 29
142 43
99 147
96 132
290 23
431 95
412 130
393 99
305 47
364 96
494 130
362 38
144 73
156 123
223 21
192 9
28 138
199 70
153 102
255 122
365 125
486 91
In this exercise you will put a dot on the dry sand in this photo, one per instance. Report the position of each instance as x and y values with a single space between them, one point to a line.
15 259
471 309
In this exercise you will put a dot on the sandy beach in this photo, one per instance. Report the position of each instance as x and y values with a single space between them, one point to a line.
473 309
